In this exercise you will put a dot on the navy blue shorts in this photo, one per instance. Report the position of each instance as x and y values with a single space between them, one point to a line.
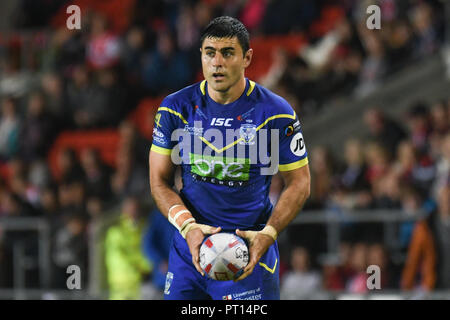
184 282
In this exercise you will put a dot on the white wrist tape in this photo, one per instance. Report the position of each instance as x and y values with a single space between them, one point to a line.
179 216
270 231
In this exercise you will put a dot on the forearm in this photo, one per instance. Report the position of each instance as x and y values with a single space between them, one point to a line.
288 206
165 197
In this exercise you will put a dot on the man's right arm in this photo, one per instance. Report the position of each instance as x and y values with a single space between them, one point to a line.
162 172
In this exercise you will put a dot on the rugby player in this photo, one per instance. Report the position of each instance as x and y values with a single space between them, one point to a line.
224 188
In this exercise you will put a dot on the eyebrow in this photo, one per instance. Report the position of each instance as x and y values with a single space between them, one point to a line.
223 49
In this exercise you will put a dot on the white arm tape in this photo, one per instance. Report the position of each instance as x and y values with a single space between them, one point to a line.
174 206
179 213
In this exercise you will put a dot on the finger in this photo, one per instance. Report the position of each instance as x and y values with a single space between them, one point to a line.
196 263
209 230
216 230
196 260
242 234
247 271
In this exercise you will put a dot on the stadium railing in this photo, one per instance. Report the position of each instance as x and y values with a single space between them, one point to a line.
97 287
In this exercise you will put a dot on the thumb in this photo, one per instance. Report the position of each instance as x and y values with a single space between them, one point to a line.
243 234
209 229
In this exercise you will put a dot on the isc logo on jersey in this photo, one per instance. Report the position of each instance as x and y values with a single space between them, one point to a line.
221 122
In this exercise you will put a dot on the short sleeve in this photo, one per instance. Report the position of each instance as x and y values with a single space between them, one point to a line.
292 147
167 119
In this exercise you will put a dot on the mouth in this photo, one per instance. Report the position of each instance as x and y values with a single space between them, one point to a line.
218 76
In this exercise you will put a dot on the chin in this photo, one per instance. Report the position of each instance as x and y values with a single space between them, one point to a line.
220 86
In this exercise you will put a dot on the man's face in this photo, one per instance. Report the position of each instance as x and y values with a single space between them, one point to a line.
223 62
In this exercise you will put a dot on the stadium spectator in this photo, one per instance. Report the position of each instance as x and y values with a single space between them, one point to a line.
68 166
352 180
129 177
301 282
133 142
79 92
421 259
442 167
322 168
378 164
441 230
425 26
440 123
384 130
399 39
9 129
103 47
413 168
14 80
336 268
377 255
387 192
70 247
52 88
125 263
49 203
166 68
37 129
133 50
419 126
71 197
374 66
97 174
357 282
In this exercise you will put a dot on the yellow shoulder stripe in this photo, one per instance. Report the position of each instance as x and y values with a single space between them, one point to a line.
173 112
271 270
202 87
251 87
160 150
294 165
289 116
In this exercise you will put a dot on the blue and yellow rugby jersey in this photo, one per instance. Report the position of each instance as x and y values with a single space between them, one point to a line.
223 184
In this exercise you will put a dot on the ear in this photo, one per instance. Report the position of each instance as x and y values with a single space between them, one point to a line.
248 57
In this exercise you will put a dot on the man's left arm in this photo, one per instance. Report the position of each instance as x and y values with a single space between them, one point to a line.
292 199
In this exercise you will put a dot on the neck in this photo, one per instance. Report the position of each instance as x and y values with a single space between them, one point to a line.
230 95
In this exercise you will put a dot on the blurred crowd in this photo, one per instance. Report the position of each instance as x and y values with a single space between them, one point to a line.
352 60
402 165
53 79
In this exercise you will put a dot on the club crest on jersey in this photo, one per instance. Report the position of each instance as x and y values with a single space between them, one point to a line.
247 132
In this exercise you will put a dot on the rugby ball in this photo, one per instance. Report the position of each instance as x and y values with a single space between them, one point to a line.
223 256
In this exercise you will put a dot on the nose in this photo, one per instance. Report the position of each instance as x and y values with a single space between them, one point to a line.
217 60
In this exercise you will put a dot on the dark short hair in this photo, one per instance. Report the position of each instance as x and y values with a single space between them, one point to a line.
227 27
